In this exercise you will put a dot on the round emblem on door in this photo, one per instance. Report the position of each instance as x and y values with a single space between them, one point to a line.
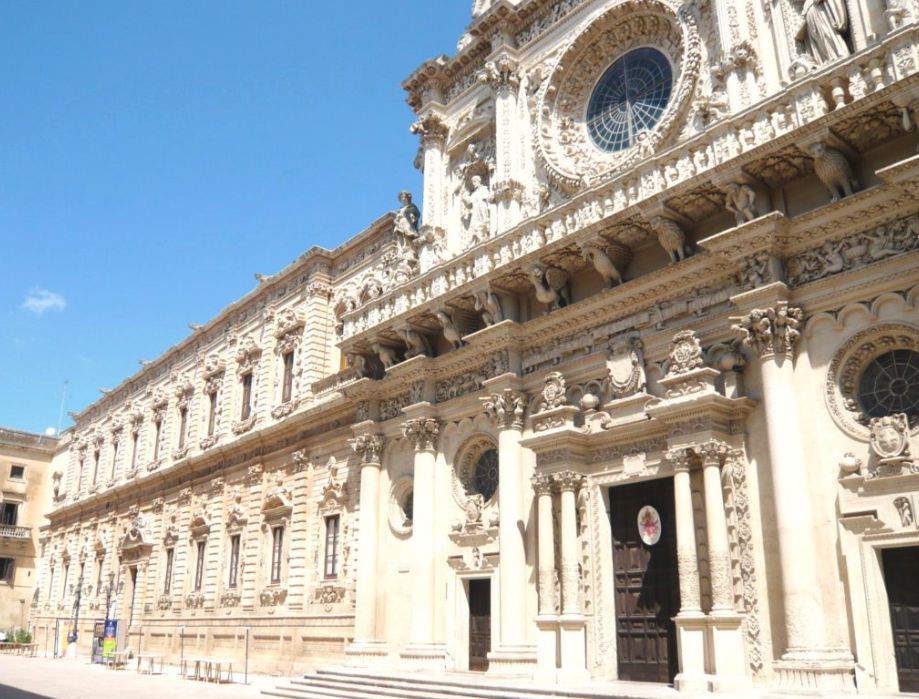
649 525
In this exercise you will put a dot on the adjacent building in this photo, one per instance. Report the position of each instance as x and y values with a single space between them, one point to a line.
25 498
635 398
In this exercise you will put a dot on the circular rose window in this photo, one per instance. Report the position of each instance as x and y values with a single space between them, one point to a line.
890 384
630 98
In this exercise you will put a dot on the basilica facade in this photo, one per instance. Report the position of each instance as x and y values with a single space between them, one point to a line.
631 395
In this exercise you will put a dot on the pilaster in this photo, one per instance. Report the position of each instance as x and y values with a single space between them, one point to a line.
572 625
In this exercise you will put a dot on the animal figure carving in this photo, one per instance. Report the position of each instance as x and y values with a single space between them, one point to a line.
551 284
451 332
490 306
610 263
416 344
834 170
671 237
387 354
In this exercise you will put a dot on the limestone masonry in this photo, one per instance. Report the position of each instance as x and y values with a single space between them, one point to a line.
630 392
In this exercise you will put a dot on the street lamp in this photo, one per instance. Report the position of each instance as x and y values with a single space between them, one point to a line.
72 637
22 613
109 589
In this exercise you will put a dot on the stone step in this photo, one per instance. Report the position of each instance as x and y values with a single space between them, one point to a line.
414 688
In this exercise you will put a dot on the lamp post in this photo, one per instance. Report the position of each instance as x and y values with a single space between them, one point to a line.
109 589
22 613
72 637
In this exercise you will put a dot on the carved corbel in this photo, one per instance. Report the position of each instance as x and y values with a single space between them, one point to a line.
507 409
422 433
770 331
416 343
832 162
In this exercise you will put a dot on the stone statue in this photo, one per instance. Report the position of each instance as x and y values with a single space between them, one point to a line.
416 344
551 285
451 332
834 170
386 353
739 200
490 306
407 220
477 210
610 263
671 237
823 28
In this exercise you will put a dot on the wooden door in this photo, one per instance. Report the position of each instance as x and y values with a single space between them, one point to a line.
646 583
901 576
479 624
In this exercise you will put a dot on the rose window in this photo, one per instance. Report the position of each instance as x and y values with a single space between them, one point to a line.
890 384
629 99
485 478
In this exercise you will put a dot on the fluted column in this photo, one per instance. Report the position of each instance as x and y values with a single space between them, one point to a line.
771 335
422 433
719 548
571 622
543 485
369 448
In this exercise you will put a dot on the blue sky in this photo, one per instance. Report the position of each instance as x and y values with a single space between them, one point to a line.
155 155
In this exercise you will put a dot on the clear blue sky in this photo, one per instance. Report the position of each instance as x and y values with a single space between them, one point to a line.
155 155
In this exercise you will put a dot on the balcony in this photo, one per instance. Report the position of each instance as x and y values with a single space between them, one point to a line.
8 531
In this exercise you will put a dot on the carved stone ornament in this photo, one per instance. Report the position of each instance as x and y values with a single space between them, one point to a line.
625 367
422 433
685 353
194 600
507 409
890 440
851 361
272 597
770 331
563 144
369 447
465 464
553 392
905 509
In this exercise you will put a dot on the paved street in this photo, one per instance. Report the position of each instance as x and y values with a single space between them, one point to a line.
40 678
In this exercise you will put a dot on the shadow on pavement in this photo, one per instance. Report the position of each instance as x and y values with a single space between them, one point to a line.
7 692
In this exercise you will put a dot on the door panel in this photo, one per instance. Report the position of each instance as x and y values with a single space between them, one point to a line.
646 583
901 576
479 624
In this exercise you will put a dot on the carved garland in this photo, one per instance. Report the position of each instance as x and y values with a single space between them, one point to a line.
841 389
564 96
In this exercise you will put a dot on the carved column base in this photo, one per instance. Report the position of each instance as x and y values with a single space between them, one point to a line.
547 647
425 656
573 642
817 671
366 654
512 660
690 630
726 644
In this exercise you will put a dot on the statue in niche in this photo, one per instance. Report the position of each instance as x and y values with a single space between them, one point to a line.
477 210
406 225
823 27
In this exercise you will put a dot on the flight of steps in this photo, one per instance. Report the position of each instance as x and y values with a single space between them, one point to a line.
340 684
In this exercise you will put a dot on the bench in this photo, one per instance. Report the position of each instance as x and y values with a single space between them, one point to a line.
151 660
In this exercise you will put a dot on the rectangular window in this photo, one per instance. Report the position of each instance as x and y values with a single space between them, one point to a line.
17 472
288 386
247 397
80 477
99 561
212 414
157 434
9 514
167 580
234 560
66 580
134 446
6 569
199 566
183 425
331 545
51 583
114 459
95 466
277 549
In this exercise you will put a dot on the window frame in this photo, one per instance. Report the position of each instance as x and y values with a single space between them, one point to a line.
287 377
212 413
246 382
21 477
183 425
331 559
168 570
16 513
201 548
277 554
235 555
8 575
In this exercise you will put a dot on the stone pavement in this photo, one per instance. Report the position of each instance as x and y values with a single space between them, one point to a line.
45 678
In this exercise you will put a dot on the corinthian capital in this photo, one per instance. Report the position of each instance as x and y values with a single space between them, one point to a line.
771 330
501 74
680 458
713 452
542 483
422 432
369 447
506 409
568 480
431 128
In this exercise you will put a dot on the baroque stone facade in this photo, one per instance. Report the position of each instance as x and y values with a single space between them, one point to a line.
640 377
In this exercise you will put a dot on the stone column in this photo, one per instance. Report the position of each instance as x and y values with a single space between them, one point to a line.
502 75
512 655
807 664
725 625
367 647
690 622
422 650
433 132
547 621
571 622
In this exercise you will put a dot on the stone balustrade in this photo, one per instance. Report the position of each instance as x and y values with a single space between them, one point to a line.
8 531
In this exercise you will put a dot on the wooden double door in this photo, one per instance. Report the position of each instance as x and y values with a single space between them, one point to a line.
646 581
479 624
901 577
